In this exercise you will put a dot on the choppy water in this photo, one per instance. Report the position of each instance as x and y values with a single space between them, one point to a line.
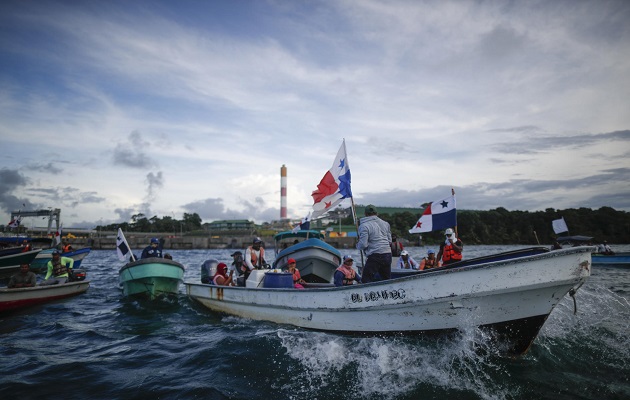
102 346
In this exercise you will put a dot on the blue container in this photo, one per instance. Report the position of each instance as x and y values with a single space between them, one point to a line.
278 280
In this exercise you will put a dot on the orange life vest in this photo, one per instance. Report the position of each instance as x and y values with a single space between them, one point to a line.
348 275
450 255
255 257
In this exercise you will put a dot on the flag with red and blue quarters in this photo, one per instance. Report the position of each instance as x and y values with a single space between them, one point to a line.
441 214
15 222
334 186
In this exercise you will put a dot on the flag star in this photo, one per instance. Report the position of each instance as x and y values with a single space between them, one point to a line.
444 203
342 163
419 224
327 204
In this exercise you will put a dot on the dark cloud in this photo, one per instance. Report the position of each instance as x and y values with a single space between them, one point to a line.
213 209
10 180
132 153
548 143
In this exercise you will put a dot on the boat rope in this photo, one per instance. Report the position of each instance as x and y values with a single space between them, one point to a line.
572 294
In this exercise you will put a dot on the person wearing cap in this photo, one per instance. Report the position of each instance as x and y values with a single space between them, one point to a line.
59 269
238 266
406 261
221 278
23 278
255 255
451 249
375 237
152 250
345 275
429 261
298 282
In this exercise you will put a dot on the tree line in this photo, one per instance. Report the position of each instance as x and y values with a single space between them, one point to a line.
500 226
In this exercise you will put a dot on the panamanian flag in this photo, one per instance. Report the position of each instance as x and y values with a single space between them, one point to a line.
304 225
15 222
334 186
438 215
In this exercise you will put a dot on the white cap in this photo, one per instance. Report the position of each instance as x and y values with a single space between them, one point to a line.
449 232
404 253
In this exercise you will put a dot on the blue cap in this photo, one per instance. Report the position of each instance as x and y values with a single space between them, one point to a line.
431 251
55 252
155 240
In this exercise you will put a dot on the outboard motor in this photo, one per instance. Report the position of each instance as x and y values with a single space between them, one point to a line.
76 275
208 269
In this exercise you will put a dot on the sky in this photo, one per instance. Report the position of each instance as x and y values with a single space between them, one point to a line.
110 109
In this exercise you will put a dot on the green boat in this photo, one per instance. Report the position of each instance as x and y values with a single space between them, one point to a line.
151 277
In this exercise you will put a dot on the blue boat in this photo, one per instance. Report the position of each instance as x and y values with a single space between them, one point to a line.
44 256
315 259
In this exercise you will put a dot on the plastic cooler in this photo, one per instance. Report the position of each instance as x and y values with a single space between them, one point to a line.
278 280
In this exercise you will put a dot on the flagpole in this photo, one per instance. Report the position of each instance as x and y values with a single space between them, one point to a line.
456 234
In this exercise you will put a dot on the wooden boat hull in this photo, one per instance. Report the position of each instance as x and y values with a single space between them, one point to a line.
613 259
151 277
10 264
14 299
512 297
315 259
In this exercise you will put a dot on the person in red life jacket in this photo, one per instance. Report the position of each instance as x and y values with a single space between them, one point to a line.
298 282
345 275
451 249
429 261
255 256
221 277
59 269
66 248
26 246
396 246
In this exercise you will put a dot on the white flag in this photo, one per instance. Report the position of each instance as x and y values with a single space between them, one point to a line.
559 225
122 247
58 235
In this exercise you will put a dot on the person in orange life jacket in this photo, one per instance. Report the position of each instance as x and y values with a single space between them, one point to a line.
345 275
297 278
429 261
255 256
152 250
451 249
59 268
396 246
220 277
66 248
26 246
406 261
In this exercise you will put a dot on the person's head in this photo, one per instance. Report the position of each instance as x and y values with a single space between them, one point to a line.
394 237
348 261
449 233
221 269
404 254
257 243
24 241
56 254
168 256
236 254
291 263
431 253
24 268
370 210
154 242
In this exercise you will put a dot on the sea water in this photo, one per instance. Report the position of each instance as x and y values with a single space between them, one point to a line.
100 345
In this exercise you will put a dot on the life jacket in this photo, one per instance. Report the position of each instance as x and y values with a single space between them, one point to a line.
396 248
296 276
66 249
348 275
27 248
58 268
255 259
450 255
430 263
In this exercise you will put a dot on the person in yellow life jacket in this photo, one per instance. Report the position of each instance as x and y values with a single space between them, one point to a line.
59 269
451 249
255 256
429 261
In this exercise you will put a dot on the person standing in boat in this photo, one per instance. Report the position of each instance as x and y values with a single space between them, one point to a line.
396 246
255 255
345 275
26 246
451 249
406 261
23 278
429 261
152 250
59 269
375 236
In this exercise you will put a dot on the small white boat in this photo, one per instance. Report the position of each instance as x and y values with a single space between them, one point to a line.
13 299
511 297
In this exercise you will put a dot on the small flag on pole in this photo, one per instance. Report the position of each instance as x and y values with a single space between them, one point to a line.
122 247
58 235
438 215
15 222
304 225
559 226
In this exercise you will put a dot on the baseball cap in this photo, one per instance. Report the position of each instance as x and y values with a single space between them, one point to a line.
371 209
290 260
236 253
348 257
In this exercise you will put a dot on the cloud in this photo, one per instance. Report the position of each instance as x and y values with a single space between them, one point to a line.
132 153
154 181
10 181
49 168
